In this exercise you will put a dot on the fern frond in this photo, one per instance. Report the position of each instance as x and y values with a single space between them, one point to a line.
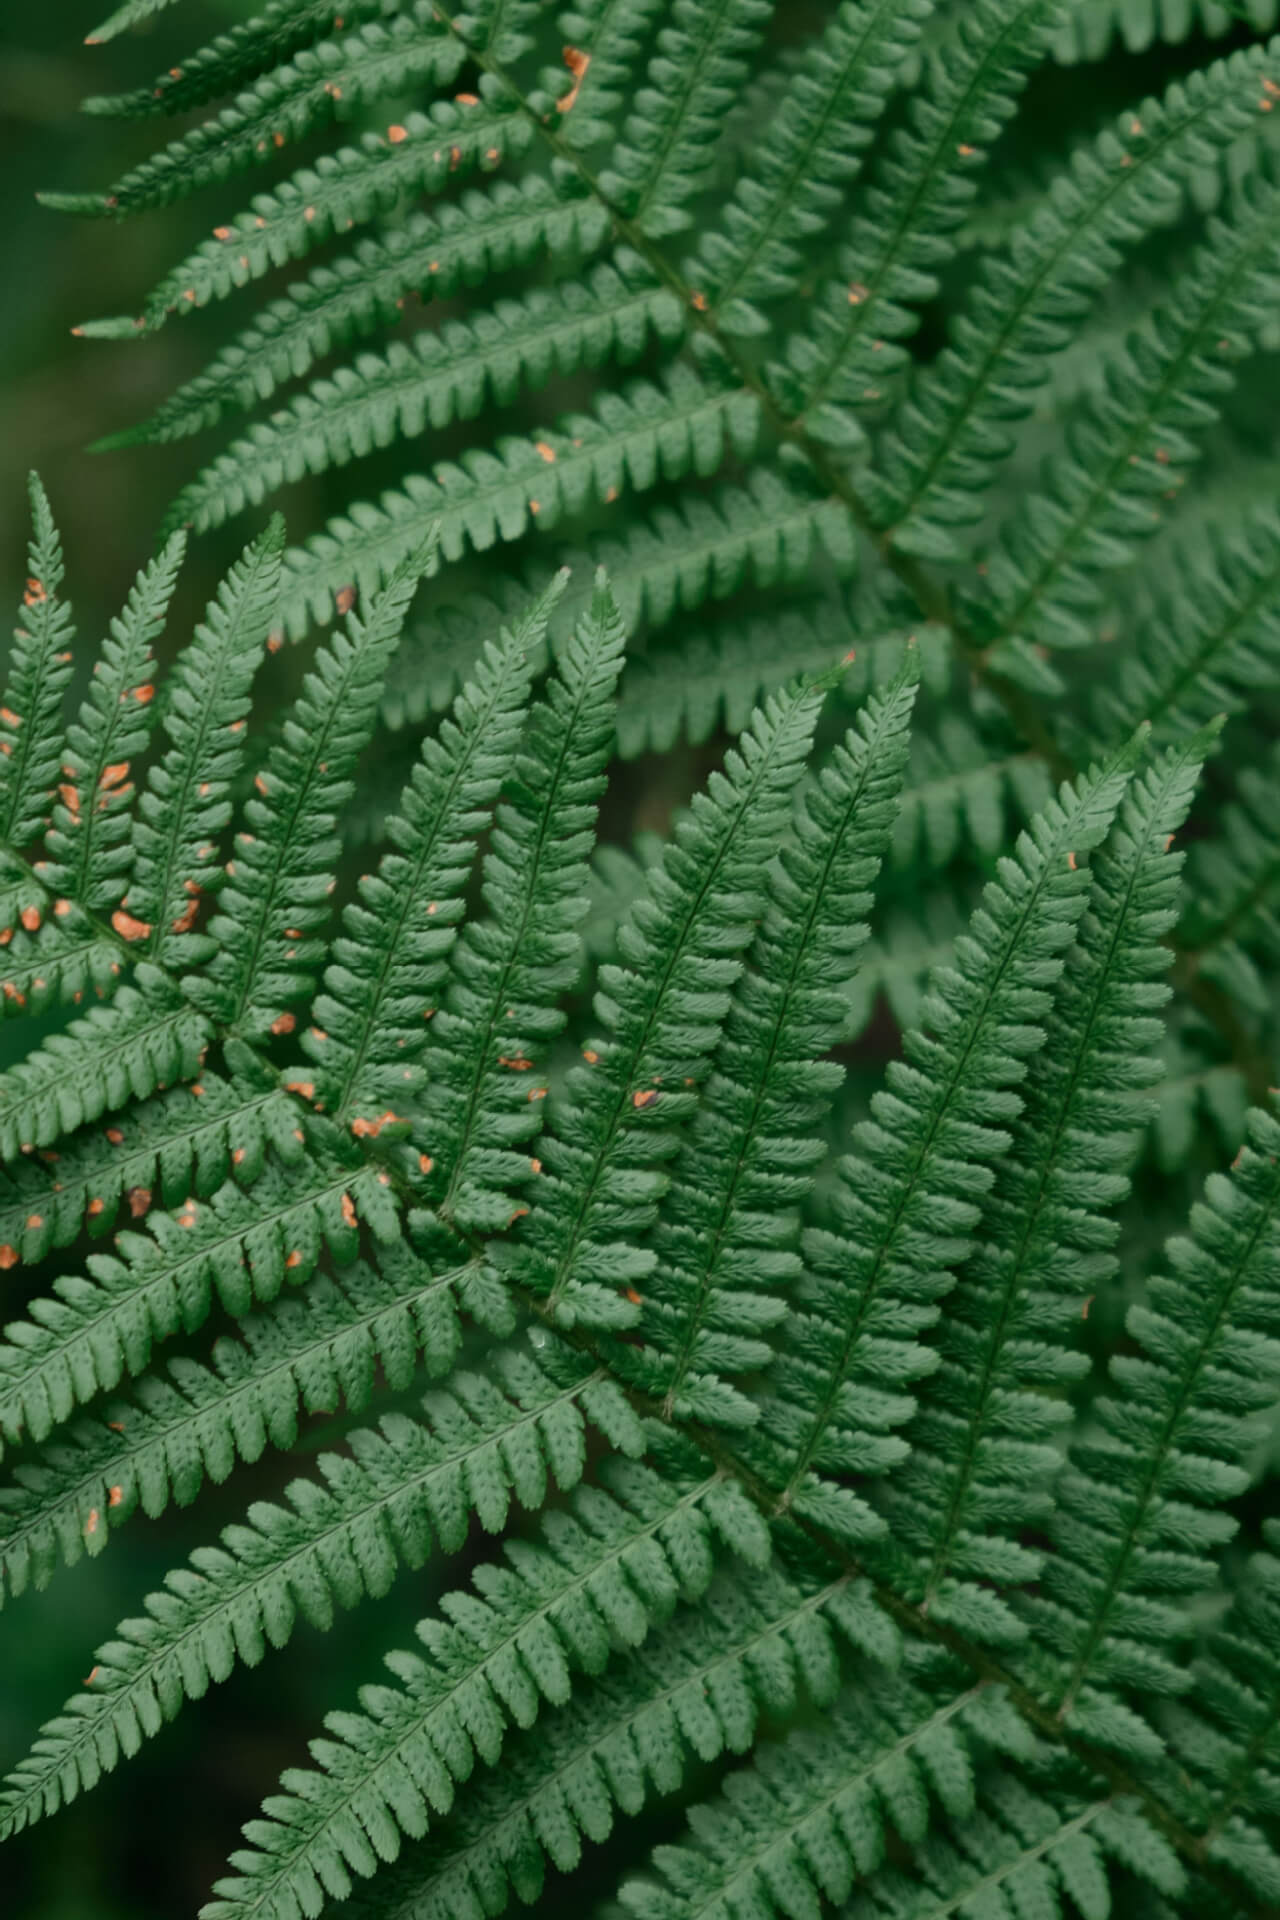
663 156
983 1439
809 154
271 38
1094 25
508 971
347 1534
113 1055
694 1689
908 1202
440 377
1139 1516
186 802
240 1246
396 937
290 100
182 1141
664 1009
1137 440
725 1241
269 919
317 1349
558 1609
90 835
939 458
341 191
1232 925
687 425
921 195
958 790
489 230
1209 635
31 724
131 14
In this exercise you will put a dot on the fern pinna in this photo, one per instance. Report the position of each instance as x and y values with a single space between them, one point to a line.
859 1467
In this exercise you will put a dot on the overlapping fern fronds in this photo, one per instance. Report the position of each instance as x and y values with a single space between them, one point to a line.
843 1423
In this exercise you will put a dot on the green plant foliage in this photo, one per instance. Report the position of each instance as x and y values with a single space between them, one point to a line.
631 1002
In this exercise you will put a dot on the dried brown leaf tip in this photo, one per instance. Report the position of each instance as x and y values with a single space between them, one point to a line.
367 1129
577 62
35 594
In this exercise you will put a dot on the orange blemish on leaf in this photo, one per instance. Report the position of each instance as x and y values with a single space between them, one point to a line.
96 1205
8 1257
344 599
535 1166
112 776
91 1527
965 151
1084 1311
577 62
348 1210
35 1220
370 1129
1072 862
636 1299
644 1097
467 99
116 1426
11 993
144 694
519 1214
61 909
537 1093
858 293
128 928
535 506
260 783
591 1057
10 718
114 1496
425 1163
35 594
397 134
115 1136
238 1156
283 1023
611 496
139 1200
318 1033
455 159
6 936
294 1259
223 233
69 797
306 1088
30 917
548 453
97 1670
698 300
517 1062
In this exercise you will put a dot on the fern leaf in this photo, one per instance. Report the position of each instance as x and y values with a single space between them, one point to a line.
178 1142
441 377
1235 1697
937 463
725 1243
185 804
1092 27
344 1536
31 725
90 838
501 30
983 1439
271 38
914 212
605 42
397 937
507 972
115 1054
269 919
240 1246
343 190
506 224
808 156
662 159
1209 636
664 1008
290 100
632 440
909 1196
961 790
1231 924
557 1610
131 14
320 1348
695 1689
1138 439
1139 1515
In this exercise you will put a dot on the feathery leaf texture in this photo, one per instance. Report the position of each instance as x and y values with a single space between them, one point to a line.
765 1198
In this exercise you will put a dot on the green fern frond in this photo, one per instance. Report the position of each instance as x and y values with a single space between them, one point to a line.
1232 925
1139 1519
664 1007
270 918
909 1200
31 729
1095 24
290 100
397 937
131 14
925 189
939 458
505 224
605 43
983 1439
442 377
190 1423
499 1010
725 1242
240 1247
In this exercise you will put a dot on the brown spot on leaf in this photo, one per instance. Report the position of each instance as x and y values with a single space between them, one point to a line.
128 928
644 1097
30 917
283 1023
577 62
8 1257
